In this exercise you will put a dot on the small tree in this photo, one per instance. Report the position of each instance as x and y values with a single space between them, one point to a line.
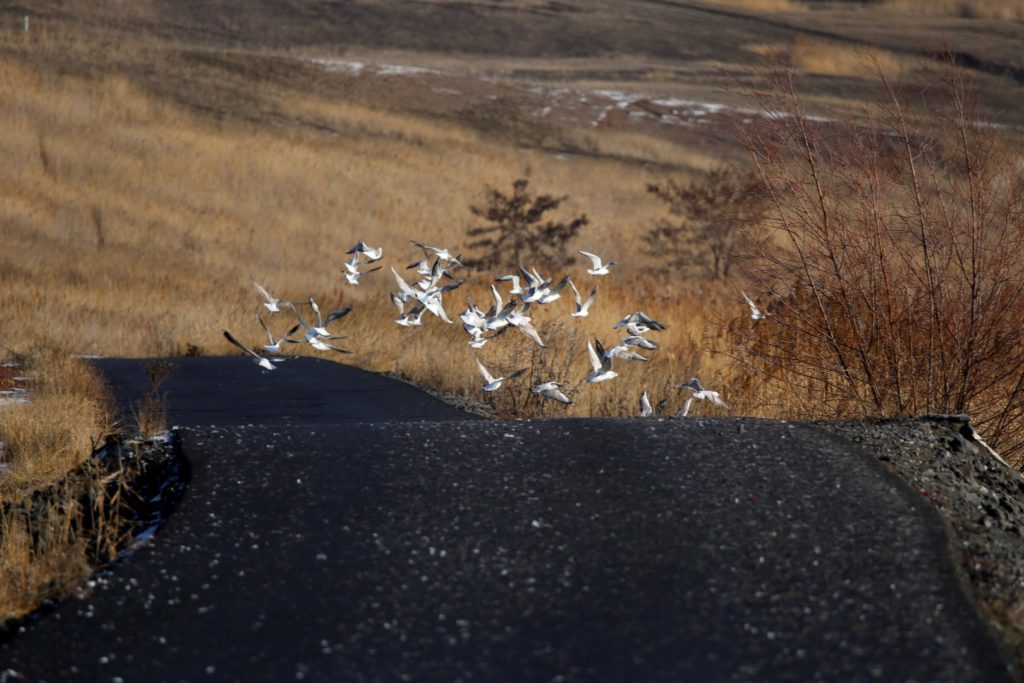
516 229
713 214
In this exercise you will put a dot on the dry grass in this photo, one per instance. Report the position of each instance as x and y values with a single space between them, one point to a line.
58 508
136 226
57 430
763 5
965 9
834 59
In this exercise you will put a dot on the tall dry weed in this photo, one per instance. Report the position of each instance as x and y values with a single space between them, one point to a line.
59 510
894 273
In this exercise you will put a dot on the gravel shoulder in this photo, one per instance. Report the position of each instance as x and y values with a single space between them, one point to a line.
980 498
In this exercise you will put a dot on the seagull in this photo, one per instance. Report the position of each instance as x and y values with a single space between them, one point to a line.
554 293
640 320
369 252
582 307
514 279
261 361
550 390
430 298
755 312
700 394
273 304
637 340
413 318
479 339
312 337
599 268
645 405
536 286
601 363
522 322
493 384
621 350
321 323
353 277
441 252
275 344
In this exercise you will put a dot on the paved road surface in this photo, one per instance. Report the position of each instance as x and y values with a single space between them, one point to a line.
319 547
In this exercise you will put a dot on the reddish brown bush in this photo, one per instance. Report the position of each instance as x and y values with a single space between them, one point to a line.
895 269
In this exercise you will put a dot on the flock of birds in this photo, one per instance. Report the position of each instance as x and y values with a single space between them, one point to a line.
425 295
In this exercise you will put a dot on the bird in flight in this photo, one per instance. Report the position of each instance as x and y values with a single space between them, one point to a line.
494 383
261 361
550 390
599 268
699 394
755 312
582 305
601 363
272 303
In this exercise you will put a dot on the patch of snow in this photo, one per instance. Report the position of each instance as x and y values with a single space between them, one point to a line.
403 70
344 65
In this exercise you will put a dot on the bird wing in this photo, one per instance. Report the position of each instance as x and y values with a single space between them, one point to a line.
483 372
531 332
576 295
334 315
264 293
240 345
595 361
594 258
335 348
686 407
589 301
264 325
755 312
556 395
404 286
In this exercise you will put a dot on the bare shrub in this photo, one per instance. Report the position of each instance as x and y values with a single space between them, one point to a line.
894 269
713 215
516 229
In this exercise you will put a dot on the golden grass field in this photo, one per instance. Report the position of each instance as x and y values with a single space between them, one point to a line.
146 183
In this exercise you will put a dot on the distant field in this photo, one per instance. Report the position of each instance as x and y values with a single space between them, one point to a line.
162 156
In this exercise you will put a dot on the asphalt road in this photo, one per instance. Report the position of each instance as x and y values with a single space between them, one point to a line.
342 545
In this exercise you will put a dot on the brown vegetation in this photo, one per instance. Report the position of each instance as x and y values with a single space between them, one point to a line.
59 509
894 276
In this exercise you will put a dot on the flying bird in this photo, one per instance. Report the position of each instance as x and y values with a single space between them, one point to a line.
321 323
370 253
441 252
601 364
699 394
582 306
275 344
645 405
273 304
755 312
261 361
492 383
550 390
640 321
598 268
